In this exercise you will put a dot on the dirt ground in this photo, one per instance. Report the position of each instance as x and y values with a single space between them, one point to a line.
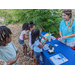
16 30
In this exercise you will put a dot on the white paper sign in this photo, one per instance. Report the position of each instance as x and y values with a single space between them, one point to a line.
58 59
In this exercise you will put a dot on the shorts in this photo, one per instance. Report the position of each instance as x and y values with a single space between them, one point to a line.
37 54
21 41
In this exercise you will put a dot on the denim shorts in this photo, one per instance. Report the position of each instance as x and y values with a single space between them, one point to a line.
21 41
37 54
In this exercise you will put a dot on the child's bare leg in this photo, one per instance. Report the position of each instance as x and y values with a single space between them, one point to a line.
36 61
25 49
31 53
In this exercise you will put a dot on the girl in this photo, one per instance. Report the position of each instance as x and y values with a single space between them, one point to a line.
31 27
36 43
23 37
67 28
8 52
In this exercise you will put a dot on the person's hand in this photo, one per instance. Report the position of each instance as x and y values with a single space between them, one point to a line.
64 37
59 39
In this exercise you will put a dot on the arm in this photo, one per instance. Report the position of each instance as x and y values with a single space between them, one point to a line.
70 35
40 46
60 33
60 29
10 62
64 37
24 37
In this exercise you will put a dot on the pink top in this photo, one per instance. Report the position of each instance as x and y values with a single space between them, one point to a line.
21 35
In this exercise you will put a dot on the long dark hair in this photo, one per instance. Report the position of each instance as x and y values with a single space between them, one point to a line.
34 34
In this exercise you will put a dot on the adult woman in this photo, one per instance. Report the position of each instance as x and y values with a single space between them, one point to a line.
67 28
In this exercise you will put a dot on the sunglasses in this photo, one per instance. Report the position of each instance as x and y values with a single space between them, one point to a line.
68 10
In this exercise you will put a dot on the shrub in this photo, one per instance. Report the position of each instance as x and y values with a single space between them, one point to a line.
46 19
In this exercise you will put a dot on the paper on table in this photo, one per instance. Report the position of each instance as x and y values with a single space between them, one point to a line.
46 47
53 38
58 59
55 45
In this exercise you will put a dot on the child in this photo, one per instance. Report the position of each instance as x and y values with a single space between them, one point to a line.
23 37
31 27
8 52
37 46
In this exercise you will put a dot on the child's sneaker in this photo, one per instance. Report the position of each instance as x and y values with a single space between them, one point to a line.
31 58
27 56
27 53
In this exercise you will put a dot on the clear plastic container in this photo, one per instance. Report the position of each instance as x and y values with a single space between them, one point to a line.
49 39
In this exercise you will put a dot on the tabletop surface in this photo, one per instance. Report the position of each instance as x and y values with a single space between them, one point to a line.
63 49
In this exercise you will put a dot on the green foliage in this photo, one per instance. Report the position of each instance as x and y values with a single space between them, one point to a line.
46 19
2 22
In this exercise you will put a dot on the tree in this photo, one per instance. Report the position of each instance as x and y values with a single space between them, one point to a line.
46 19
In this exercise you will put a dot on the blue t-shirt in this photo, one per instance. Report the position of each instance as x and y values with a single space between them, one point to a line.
65 32
36 48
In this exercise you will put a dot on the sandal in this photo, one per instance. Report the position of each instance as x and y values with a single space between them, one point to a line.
31 59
